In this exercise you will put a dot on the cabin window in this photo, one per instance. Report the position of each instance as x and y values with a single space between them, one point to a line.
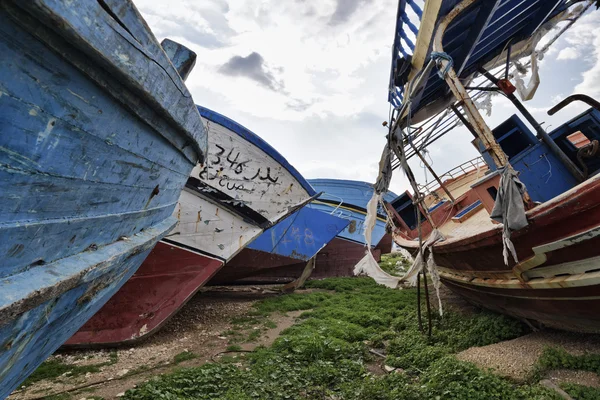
578 139
493 192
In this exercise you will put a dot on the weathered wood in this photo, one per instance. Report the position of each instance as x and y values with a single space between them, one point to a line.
243 166
426 29
182 58
97 138
43 307
145 70
167 279
217 219
298 283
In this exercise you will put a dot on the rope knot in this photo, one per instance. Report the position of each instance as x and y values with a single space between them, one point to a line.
438 56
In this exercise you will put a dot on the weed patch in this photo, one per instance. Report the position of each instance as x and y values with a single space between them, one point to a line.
184 356
325 354
52 369
558 358
580 392
394 264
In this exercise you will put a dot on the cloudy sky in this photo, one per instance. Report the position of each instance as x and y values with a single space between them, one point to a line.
310 77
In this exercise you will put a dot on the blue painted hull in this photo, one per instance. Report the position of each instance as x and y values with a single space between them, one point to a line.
95 147
356 219
295 239
349 199
90 279
301 235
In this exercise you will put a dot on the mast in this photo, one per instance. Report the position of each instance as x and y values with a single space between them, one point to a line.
474 117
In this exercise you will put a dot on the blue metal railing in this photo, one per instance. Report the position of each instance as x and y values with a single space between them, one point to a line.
406 22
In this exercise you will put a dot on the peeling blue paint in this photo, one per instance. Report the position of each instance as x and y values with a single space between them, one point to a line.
300 235
98 135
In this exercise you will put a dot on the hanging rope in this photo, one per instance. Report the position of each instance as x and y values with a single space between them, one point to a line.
438 56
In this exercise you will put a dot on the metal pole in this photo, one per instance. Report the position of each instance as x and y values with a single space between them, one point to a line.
541 133
412 180
459 91
437 178
462 119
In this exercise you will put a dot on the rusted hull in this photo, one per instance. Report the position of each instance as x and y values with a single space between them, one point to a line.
557 279
167 279
337 259
553 308
250 263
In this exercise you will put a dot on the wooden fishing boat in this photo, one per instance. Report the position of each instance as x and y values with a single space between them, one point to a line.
553 277
344 199
245 187
292 243
98 135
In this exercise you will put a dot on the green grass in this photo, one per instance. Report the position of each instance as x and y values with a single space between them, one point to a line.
580 392
394 263
234 347
254 335
269 324
324 356
558 358
184 356
52 369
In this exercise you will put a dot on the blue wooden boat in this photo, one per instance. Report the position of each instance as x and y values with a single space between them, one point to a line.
295 240
244 187
345 199
348 199
541 263
98 135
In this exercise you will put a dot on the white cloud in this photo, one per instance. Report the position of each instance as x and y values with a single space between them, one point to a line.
568 53
317 91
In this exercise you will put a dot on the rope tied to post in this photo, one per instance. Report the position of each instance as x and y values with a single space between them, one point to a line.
438 56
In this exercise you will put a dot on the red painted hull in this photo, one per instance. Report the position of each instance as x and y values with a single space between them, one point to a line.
167 279
336 259
249 263
560 285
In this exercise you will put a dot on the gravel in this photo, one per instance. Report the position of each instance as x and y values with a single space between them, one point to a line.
516 358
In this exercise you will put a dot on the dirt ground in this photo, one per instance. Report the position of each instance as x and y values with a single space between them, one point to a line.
200 328
204 327
515 359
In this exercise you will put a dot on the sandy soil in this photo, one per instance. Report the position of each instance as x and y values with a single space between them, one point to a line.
516 358
199 328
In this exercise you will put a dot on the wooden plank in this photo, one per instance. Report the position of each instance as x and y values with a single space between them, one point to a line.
486 11
108 45
41 308
426 30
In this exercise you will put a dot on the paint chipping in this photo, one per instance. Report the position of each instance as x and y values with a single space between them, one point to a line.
80 97
42 136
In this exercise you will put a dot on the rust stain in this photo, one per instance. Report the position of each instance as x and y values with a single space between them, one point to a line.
198 219
155 191
352 226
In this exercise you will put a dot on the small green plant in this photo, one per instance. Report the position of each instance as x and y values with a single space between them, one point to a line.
394 264
580 392
559 358
184 356
51 369
270 324
254 335
234 347
325 354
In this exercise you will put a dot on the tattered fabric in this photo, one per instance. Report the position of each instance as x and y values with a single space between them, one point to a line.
509 209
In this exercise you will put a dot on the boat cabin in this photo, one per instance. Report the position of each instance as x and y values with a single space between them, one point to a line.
474 185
